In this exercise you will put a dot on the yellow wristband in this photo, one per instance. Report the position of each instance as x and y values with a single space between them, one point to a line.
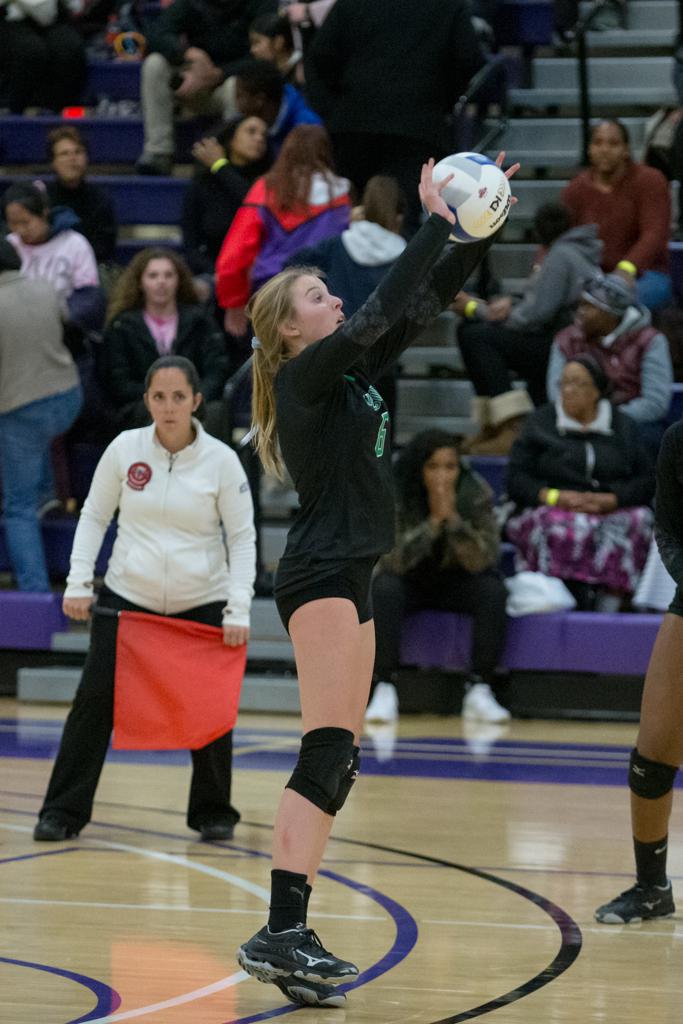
629 267
470 308
217 164
552 496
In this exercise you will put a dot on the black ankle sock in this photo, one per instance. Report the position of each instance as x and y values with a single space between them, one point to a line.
287 900
307 895
651 862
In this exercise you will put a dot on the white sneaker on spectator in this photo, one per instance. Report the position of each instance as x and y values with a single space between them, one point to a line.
383 737
479 703
384 704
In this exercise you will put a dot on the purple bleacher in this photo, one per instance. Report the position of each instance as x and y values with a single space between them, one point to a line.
137 199
524 22
58 536
112 79
557 642
110 140
28 621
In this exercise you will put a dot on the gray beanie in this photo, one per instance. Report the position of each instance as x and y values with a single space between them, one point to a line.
611 293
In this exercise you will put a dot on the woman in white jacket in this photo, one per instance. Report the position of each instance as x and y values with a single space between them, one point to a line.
177 491
42 56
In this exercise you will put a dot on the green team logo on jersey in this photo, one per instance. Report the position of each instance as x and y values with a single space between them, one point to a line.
373 398
381 435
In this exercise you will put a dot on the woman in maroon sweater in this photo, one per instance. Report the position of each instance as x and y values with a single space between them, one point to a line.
630 203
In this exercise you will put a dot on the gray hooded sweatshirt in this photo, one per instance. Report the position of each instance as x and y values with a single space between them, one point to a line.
553 289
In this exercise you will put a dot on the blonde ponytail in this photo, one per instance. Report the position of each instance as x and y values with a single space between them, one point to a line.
267 309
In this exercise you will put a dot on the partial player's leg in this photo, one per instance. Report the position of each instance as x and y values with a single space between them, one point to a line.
653 768
334 656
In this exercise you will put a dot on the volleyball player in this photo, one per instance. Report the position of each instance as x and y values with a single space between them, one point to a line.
658 753
314 397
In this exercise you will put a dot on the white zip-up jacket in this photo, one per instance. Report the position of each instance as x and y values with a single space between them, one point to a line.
170 552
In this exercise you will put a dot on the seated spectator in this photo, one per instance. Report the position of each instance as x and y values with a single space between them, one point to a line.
355 262
230 162
270 38
445 558
42 57
617 334
298 203
51 248
40 397
154 311
582 483
195 49
505 335
260 91
631 205
92 205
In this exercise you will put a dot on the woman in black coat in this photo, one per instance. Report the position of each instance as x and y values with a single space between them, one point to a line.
582 483
231 159
155 311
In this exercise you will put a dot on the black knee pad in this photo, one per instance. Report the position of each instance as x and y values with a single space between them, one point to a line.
649 779
325 758
347 781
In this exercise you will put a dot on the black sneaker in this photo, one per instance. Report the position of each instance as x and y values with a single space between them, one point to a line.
641 903
270 956
217 831
310 993
53 829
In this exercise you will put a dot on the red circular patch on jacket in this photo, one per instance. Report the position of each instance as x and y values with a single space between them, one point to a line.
139 475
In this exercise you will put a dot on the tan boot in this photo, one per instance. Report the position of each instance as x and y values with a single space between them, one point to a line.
506 415
479 412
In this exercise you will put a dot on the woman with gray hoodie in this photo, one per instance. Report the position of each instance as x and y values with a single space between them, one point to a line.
505 336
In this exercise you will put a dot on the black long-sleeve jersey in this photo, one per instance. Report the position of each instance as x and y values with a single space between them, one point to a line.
669 502
332 423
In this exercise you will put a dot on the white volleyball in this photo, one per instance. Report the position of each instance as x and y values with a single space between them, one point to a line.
479 194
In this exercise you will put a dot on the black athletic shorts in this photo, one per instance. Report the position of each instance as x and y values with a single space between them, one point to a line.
350 579
676 606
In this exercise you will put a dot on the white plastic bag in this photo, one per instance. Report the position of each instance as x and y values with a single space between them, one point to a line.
531 593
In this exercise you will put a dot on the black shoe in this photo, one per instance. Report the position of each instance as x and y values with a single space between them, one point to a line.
641 903
53 829
157 166
213 831
270 956
310 993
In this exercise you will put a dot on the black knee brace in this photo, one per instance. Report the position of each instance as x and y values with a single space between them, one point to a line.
325 759
650 779
347 781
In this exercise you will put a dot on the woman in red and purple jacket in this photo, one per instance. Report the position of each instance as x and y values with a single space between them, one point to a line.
298 203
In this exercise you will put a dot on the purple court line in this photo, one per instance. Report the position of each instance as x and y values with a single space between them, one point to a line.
108 999
43 853
404 941
570 936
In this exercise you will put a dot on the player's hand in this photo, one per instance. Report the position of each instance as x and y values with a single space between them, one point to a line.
235 636
509 173
500 308
430 192
78 608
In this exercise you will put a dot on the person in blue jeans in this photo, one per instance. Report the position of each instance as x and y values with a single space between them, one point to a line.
40 398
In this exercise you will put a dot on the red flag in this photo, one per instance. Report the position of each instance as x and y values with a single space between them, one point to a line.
177 685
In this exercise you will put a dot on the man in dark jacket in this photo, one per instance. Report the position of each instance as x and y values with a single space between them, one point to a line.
196 45
384 76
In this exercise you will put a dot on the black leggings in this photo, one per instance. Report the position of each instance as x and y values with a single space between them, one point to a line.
491 351
481 595
87 730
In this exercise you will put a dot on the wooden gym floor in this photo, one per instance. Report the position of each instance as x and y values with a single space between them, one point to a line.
461 877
